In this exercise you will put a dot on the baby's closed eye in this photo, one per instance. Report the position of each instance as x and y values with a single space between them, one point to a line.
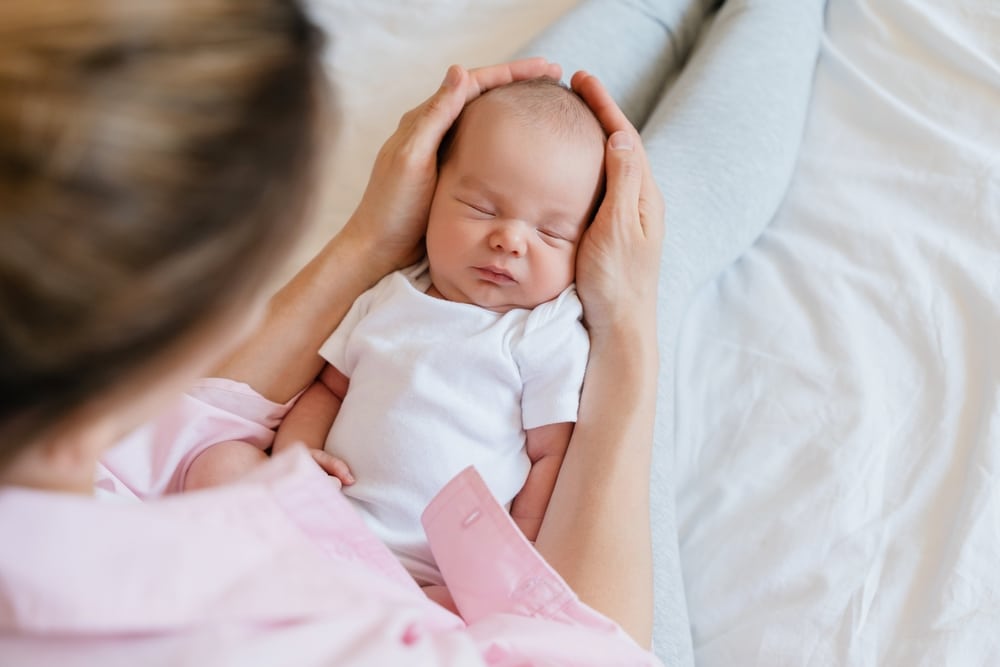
480 208
558 233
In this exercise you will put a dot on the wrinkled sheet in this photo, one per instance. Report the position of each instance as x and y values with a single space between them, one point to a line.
838 405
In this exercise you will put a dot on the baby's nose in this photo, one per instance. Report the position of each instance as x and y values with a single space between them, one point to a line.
509 238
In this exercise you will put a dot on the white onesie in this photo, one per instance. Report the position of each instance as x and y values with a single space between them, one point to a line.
437 386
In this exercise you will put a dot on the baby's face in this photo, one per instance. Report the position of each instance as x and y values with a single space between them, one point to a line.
511 204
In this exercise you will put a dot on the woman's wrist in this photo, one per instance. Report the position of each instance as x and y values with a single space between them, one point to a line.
635 333
618 401
382 255
364 250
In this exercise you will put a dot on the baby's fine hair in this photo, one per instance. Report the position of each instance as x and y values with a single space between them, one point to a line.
543 101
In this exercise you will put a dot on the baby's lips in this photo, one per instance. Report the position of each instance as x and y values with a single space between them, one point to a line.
496 274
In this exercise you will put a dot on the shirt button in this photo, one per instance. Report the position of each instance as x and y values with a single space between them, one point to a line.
411 635
472 517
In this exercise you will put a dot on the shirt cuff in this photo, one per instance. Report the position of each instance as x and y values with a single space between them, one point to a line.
489 566
153 460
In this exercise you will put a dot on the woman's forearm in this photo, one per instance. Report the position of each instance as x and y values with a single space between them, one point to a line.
281 357
596 531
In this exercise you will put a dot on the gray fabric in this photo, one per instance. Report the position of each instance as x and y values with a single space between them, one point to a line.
722 130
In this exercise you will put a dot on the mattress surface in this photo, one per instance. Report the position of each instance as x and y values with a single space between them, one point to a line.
838 406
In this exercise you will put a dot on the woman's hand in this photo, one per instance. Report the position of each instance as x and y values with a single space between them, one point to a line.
596 526
392 215
618 262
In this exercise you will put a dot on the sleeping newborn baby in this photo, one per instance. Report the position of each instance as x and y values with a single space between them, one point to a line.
475 356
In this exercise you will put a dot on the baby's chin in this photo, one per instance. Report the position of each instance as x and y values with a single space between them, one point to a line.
500 306
503 308
499 300
497 305
523 303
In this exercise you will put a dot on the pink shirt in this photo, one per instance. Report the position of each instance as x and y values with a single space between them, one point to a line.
275 570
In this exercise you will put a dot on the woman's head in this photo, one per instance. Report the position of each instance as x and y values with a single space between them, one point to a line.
153 168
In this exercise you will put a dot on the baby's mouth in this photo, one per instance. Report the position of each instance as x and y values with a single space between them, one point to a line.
495 274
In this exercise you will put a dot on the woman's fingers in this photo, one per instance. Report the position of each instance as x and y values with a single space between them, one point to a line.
427 123
613 119
431 120
618 259
624 174
598 98
333 466
484 78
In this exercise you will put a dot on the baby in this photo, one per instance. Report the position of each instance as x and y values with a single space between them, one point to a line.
475 356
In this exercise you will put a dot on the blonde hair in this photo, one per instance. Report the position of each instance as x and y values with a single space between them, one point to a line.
154 158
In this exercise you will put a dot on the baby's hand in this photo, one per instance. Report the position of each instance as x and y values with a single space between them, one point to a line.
333 466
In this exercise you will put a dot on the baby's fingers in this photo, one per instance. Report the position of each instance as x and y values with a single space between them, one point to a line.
333 466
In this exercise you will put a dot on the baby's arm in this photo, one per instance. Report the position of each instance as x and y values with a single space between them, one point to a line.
546 448
308 422
310 419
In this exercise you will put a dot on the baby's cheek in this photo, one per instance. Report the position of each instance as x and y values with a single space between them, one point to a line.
563 271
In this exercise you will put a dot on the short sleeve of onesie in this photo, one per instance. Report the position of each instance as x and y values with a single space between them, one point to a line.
334 349
552 357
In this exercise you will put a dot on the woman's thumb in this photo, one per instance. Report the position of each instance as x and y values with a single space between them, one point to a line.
436 115
624 172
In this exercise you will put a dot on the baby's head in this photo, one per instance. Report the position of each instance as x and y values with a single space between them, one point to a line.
520 176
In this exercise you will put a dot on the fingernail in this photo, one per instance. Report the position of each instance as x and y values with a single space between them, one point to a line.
451 77
621 141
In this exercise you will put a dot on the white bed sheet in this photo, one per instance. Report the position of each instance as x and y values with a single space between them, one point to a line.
838 405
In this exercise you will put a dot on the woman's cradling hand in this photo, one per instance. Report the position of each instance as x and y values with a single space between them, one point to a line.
618 262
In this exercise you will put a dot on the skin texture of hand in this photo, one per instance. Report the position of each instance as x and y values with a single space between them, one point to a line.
618 260
385 233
